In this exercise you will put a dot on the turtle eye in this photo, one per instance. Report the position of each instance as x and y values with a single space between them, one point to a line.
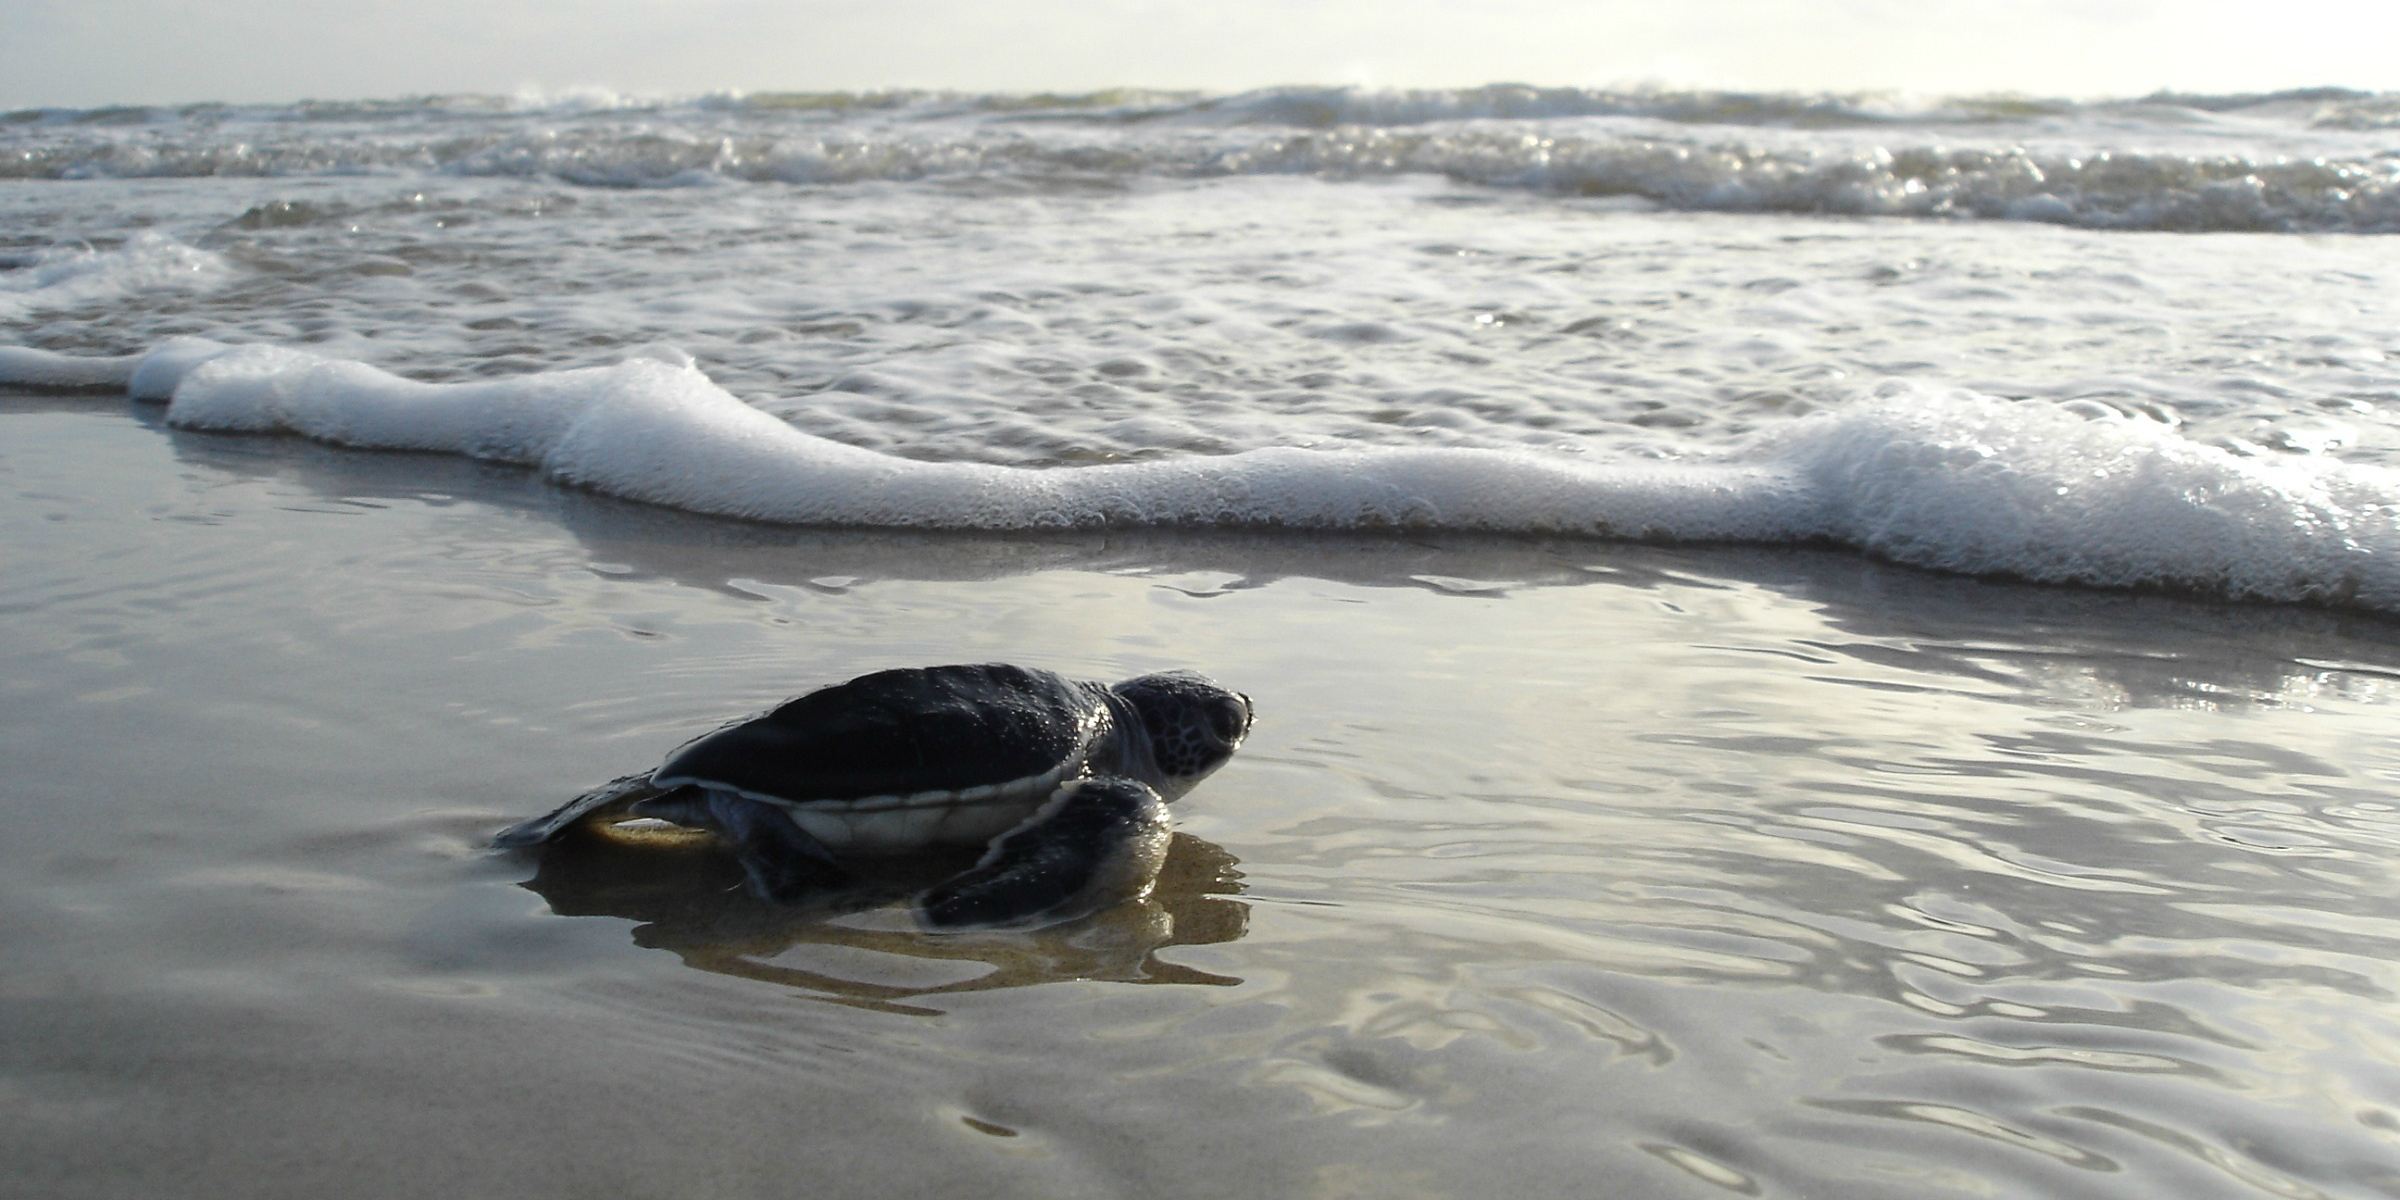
1226 720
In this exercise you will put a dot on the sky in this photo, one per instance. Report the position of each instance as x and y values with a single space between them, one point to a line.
89 53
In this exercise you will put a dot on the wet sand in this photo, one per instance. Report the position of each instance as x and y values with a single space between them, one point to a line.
1552 868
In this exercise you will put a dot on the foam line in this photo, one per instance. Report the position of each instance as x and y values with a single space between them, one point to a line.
1949 480
661 432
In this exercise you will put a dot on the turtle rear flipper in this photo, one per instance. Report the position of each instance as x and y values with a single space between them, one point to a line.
1094 843
785 863
598 804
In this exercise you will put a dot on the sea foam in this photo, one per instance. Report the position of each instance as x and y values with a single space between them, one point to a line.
1944 479
73 275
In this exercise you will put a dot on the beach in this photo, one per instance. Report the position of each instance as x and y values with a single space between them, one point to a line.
1800 646
1551 865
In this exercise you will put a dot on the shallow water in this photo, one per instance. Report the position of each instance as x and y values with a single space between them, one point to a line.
998 320
1551 867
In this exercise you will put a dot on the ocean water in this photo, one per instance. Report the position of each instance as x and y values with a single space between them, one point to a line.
2014 338
1804 645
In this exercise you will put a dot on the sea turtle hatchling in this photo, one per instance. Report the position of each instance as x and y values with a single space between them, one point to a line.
1064 782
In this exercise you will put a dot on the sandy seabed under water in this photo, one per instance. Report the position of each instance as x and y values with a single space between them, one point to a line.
1552 868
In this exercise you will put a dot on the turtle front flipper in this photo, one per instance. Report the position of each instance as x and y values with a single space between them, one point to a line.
1094 843
599 804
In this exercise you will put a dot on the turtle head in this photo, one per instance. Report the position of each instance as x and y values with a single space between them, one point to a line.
1194 723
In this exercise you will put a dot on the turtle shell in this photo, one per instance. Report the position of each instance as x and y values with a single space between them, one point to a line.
917 733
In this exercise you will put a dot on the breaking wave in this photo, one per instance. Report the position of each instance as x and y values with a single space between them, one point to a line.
2324 160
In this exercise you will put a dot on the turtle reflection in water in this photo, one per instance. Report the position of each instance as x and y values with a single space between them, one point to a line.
1064 783
682 890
